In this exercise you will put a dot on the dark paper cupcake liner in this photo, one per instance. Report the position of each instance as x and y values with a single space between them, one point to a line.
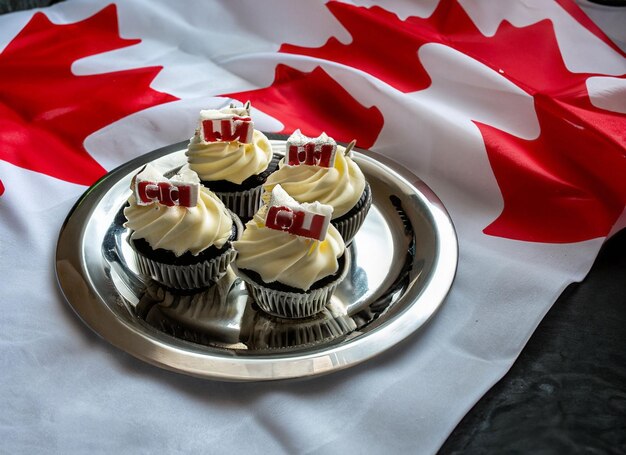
243 203
348 225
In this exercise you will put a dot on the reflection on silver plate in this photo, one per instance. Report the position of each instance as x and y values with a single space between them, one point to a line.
403 262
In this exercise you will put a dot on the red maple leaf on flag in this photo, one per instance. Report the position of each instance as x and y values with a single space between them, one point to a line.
570 180
567 185
375 53
46 111
302 100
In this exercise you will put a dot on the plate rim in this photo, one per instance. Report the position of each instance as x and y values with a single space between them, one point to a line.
235 368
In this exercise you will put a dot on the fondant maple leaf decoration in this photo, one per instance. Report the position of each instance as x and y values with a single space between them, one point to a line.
44 120
567 185
314 102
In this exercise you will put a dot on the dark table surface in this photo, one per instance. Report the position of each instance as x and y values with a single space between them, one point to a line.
566 393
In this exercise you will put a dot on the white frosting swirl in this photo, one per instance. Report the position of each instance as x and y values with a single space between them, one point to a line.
340 186
181 229
289 259
231 161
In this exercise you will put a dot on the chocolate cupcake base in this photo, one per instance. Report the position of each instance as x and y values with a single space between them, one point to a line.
186 272
244 199
349 224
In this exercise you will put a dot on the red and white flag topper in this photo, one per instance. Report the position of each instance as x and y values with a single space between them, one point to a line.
227 124
318 151
309 220
150 186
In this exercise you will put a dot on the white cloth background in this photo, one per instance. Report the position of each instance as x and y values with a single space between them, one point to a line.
65 390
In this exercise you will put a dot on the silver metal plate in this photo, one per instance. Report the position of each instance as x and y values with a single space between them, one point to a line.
404 260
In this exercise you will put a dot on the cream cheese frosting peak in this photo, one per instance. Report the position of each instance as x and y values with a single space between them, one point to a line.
181 229
232 161
339 186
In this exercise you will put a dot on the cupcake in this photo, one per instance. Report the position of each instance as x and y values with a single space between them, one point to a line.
317 169
232 158
181 233
290 256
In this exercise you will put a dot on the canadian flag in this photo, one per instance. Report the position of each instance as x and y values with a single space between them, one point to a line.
512 112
